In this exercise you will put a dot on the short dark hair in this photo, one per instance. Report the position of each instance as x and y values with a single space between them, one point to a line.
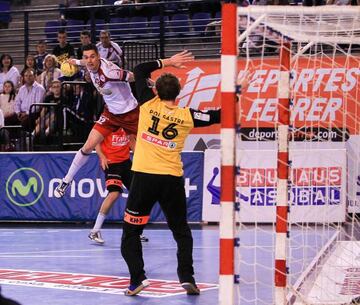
85 33
168 87
30 70
90 47
62 31
41 42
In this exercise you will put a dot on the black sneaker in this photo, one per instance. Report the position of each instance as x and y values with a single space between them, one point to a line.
191 288
61 189
135 289
143 239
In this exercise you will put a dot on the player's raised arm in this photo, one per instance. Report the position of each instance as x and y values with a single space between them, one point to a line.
142 72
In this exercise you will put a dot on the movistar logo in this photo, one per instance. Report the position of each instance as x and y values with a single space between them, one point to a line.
24 187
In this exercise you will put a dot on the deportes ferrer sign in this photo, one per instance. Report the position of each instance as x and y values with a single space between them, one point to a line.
29 181
324 90
317 194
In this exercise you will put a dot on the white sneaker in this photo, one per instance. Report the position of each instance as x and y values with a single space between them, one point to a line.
96 237
61 189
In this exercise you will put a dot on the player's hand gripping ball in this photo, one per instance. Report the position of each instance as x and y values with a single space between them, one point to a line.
68 69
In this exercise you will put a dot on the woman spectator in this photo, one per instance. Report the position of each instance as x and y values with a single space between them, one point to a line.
51 72
8 71
29 63
7 103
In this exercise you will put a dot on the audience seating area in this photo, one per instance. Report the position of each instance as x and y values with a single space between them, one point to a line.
136 27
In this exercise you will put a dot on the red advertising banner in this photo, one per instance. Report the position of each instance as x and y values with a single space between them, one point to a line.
324 92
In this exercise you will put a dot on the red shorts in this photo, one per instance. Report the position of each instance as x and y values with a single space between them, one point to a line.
109 122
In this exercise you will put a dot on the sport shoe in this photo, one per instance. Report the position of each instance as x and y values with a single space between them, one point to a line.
96 237
61 189
135 289
191 288
143 239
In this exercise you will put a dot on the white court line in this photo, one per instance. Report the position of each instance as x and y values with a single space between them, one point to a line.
58 251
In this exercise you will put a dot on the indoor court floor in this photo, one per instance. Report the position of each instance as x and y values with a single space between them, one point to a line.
61 266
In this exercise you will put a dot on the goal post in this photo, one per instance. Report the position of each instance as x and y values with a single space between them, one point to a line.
290 155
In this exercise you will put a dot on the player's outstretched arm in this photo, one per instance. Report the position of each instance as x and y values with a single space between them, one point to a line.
178 60
142 72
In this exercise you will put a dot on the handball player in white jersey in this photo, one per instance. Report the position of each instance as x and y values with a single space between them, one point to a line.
121 108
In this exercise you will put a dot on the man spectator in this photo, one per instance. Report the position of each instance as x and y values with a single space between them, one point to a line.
64 50
109 49
40 56
29 93
85 39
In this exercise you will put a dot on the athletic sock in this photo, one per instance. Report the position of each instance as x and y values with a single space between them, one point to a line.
79 160
99 222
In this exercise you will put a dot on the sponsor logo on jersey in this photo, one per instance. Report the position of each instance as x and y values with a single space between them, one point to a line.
156 141
91 282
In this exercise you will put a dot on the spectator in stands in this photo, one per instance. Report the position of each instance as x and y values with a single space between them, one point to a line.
7 103
29 93
48 116
109 49
50 73
8 71
64 50
40 56
4 137
85 39
29 63
343 2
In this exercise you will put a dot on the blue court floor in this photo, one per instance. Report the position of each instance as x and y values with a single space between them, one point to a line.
58 266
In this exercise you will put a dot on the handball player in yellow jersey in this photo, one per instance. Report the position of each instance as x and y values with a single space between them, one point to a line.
158 173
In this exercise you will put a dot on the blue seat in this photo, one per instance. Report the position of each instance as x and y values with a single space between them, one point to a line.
51 30
138 26
119 27
5 16
154 25
200 21
74 28
100 25
180 25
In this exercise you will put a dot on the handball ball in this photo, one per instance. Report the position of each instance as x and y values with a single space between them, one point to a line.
68 69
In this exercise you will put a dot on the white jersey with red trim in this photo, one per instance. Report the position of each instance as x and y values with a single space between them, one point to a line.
111 82
112 53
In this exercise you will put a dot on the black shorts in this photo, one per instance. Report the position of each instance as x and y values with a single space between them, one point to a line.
118 175
147 189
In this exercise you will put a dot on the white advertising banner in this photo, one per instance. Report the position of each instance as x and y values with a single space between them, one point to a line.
318 191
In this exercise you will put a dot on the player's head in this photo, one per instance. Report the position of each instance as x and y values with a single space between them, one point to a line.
92 57
168 87
85 38
105 38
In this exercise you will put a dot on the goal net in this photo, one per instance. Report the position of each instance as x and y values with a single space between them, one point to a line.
291 151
